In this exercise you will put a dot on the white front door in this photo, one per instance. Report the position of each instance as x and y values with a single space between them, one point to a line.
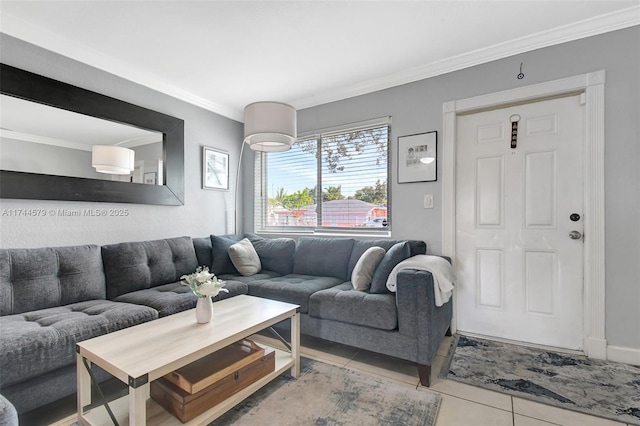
519 269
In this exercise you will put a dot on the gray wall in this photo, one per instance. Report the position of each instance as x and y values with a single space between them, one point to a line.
417 107
149 154
204 212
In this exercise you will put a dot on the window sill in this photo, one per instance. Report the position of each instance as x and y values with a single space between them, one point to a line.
345 234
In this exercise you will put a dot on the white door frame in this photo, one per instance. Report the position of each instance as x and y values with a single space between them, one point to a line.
592 85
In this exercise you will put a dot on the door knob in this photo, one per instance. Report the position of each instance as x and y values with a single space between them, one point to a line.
575 235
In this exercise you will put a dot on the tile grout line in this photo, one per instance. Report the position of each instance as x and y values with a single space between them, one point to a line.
513 411
352 358
544 421
472 401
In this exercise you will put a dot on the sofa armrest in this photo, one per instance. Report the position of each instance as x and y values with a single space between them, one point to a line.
418 315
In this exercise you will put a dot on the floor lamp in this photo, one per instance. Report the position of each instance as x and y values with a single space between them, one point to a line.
268 127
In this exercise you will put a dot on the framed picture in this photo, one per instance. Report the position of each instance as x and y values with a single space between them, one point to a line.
215 169
417 158
150 178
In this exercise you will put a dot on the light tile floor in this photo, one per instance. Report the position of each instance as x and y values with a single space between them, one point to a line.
462 405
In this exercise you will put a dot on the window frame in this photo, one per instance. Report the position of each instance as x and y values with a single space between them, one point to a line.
261 195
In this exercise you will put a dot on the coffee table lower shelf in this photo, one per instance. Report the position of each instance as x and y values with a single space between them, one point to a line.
157 415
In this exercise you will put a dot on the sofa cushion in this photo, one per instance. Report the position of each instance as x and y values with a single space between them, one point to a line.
360 246
172 298
260 276
292 288
365 268
38 342
394 255
32 279
343 303
323 257
221 262
140 265
244 258
276 254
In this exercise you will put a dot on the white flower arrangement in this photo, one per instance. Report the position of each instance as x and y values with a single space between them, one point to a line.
203 283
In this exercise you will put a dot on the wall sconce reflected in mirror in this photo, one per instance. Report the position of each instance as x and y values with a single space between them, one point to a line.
111 159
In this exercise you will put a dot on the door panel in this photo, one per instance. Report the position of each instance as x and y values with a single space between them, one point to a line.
489 193
541 279
540 183
489 267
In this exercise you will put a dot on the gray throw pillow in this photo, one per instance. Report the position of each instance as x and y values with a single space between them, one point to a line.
395 255
221 263
244 258
366 267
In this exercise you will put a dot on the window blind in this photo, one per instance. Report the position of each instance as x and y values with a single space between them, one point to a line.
332 181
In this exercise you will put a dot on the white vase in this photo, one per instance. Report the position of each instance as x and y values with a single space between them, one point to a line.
204 310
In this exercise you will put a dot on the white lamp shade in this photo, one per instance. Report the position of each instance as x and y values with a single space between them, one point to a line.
270 126
111 159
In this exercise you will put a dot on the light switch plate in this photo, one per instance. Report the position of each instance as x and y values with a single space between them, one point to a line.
428 201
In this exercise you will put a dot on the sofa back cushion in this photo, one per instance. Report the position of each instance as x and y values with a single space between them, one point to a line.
33 279
140 265
276 254
323 257
360 246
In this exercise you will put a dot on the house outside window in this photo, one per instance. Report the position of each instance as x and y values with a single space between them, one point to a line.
350 164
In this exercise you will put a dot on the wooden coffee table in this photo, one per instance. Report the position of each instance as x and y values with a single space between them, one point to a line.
140 354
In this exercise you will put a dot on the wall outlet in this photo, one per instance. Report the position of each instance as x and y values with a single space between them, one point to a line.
428 201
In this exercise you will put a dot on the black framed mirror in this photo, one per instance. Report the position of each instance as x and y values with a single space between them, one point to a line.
25 185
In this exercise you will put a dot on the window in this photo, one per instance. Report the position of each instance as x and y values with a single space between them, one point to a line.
349 164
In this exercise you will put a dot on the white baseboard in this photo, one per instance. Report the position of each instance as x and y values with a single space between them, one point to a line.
625 355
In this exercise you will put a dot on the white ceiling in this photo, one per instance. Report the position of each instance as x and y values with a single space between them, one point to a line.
223 55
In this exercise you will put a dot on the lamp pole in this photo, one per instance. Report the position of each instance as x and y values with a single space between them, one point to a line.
235 195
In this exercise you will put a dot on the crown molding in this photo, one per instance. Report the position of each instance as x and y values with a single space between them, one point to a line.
23 30
618 20
26 137
63 143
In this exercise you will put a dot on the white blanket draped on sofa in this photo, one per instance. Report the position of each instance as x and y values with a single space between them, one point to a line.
440 268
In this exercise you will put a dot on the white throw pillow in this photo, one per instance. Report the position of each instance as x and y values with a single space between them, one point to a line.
244 257
365 267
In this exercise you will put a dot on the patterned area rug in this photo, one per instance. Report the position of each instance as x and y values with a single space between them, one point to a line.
327 395
600 388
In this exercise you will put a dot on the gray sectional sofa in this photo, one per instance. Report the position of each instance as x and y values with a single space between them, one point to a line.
52 298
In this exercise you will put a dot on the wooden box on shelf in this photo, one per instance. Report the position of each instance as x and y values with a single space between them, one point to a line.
194 388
